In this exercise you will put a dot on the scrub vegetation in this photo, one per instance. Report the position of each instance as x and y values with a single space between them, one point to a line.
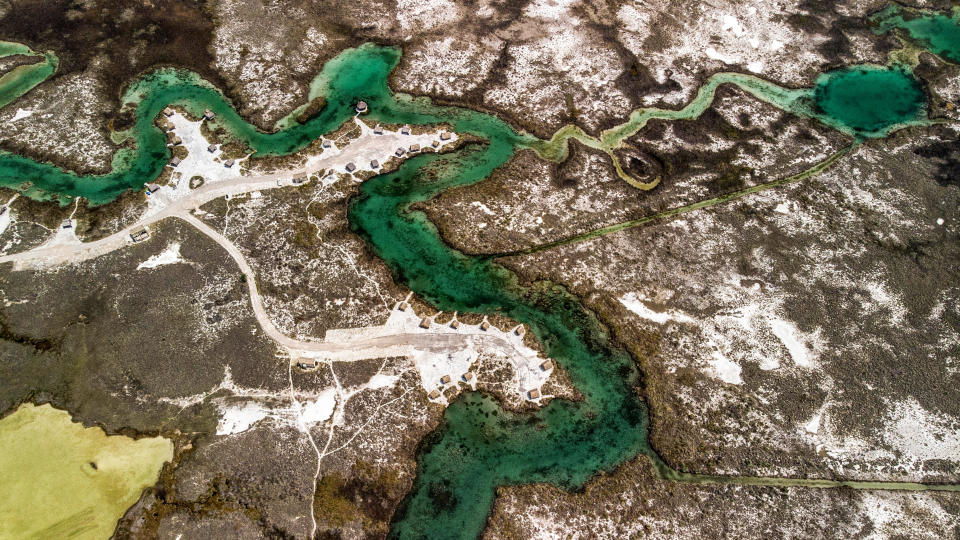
808 331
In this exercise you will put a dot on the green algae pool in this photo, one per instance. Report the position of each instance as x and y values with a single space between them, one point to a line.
479 445
61 480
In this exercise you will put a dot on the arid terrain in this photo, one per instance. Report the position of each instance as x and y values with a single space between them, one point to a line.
807 329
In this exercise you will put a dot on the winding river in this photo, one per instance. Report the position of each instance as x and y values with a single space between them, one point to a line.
480 445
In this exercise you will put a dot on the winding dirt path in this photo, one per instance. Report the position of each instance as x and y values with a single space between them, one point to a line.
399 343
379 343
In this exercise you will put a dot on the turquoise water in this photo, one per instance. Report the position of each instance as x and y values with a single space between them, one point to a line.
21 79
479 445
870 100
937 32
357 74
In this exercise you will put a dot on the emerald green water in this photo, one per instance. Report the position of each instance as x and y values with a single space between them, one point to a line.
864 101
937 32
360 74
870 100
479 446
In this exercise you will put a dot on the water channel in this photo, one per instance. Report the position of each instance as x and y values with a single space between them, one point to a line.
21 79
480 445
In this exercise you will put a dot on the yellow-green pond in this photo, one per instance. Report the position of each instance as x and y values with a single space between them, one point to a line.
59 479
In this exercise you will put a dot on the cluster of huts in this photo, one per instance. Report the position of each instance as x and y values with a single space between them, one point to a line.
174 140
140 234
427 322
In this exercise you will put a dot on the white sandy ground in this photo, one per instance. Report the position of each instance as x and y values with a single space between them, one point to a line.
638 306
7 216
914 434
758 319
209 165
178 199
170 255
892 515
434 350
437 349
246 407
21 113
444 356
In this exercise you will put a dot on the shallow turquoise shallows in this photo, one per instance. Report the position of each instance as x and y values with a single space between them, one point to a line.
479 445
21 79
938 32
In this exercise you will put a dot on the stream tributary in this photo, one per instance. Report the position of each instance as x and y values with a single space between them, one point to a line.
479 444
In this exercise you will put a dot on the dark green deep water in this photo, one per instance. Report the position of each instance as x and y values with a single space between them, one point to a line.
479 445
869 99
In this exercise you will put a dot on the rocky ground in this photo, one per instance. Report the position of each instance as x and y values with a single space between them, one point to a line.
634 503
313 272
738 142
810 330
159 338
539 63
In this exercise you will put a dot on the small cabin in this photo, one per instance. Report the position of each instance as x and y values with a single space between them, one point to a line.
228 163
374 164
168 112
139 235
152 188
547 365
468 376
445 136
327 143
212 148
175 161
403 306
351 167
307 364
66 224
378 130
414 148
400 152
299 178
485 326
434 394
405 130
361 107
208 114
534 394
426 322
454 324
445 379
